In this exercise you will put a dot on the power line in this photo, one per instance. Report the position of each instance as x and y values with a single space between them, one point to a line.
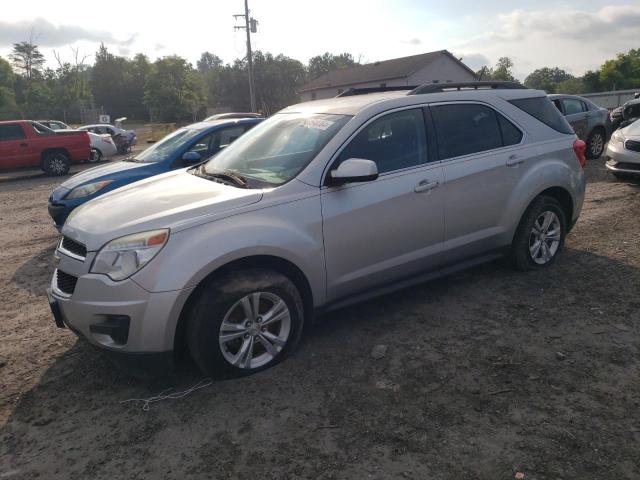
250 26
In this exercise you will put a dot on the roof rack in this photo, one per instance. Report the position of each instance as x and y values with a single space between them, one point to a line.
364 90
480 85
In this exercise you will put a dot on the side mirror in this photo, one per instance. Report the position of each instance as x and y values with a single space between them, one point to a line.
354 170
191 157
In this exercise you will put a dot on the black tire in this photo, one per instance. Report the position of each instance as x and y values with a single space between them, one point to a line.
96 156
56 163
220 297
595 144
521 255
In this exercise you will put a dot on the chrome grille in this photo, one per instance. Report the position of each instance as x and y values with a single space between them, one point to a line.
66 283
71 246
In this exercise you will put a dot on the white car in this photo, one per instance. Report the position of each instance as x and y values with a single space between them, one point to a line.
623 151
124 139
102 145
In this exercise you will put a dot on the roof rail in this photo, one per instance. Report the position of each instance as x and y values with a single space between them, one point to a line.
480 85
364 90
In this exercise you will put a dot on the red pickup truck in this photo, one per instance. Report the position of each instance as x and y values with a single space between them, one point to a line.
24 143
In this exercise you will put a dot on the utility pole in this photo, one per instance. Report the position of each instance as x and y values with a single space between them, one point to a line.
249 26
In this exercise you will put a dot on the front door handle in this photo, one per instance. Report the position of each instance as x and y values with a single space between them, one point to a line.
24 144
425 186
514 160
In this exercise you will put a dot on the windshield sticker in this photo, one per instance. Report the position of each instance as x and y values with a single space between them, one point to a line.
317 123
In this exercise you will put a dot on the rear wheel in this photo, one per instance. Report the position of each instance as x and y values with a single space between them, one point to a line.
96 156
595 144
540 235
56 163
244 323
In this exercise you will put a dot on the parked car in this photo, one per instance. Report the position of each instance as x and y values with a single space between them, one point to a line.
184 147
25 143
102 145
590 122
323 204
54 124
230 115
124 139
623 151
626 114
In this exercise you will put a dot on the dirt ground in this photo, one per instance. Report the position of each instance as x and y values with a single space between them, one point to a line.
487 373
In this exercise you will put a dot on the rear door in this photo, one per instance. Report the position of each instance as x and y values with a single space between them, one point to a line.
577 115
483 159
14 147
379 231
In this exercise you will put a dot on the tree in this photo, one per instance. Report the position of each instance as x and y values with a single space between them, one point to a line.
547 79
8 107
502 71
326 62
27 59
173 91
208 61
623 72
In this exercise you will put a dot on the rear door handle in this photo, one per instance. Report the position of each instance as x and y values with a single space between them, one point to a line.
514 160
425 186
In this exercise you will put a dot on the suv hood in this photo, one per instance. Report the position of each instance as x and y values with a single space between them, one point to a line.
176 200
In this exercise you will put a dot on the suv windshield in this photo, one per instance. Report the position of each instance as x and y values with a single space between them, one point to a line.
279 148
167 146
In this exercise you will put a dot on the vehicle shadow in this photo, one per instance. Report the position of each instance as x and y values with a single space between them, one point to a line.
35 274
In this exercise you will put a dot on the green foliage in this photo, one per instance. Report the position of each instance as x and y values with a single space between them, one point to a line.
326 62
548 79
208 61
571 86
38 100
27 59
623 72
502 71
173 90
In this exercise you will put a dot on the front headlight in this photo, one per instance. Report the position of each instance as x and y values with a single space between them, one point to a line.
124 256
617 138
88 189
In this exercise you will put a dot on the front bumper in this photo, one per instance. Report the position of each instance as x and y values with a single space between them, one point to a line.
621 160
134 327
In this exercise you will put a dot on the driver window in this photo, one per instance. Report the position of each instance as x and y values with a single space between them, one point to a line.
395 141
202 145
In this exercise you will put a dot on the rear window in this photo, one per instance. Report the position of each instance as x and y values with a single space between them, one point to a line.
11 132
543 110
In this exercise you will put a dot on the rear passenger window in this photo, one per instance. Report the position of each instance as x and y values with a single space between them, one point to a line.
462 129
511 135
394 142
573 106
11 132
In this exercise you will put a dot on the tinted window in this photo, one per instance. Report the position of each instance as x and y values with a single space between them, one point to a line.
511 135
395 141
573 106
11 132
544 111
465 128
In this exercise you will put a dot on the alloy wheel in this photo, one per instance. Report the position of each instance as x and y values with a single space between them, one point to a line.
545 236
58 165
597 145
254 330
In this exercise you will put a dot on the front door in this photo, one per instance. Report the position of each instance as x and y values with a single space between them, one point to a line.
383 230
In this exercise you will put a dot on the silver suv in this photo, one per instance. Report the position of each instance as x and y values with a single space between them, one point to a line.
324 204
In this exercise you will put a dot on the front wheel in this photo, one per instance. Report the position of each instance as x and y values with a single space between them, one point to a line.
244 323
540 235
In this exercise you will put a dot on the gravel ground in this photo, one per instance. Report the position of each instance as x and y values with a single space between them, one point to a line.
485 374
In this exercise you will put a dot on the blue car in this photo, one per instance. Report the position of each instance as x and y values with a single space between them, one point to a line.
185 147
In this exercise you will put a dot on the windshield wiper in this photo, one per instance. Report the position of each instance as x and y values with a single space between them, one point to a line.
225 175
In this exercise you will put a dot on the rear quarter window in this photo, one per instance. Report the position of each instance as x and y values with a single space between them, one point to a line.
543 110
11 132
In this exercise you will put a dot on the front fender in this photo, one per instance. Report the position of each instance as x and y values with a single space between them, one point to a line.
291 231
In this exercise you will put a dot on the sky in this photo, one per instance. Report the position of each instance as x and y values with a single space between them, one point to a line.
573 35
